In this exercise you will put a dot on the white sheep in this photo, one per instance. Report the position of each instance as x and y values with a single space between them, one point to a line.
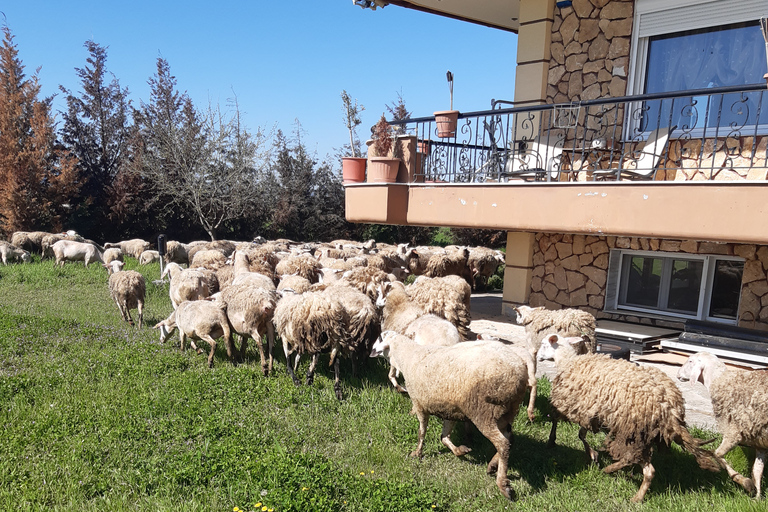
127 289
147 257
112 254
199 320
638 406
133 247
479 381
444 297
212 258
10 252
176 252
740 403
540 322
188 284
69 250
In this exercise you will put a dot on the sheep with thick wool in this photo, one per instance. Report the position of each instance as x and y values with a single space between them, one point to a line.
540 322
188 284
209 258
147 257
451 263
479 381
441 297
199 320
483 263
112 254
176 252
740 403
304 265
638 407
128 289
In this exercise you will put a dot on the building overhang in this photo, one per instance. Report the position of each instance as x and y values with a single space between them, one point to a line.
500 14
706 211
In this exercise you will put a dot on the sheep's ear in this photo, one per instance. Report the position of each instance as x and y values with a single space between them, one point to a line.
697 369
553 338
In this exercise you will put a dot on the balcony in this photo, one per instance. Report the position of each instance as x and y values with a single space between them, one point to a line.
690 165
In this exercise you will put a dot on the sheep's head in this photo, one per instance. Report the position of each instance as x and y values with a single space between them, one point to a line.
381 346
525 314
556 348
700 367
166 327
25 257
113 266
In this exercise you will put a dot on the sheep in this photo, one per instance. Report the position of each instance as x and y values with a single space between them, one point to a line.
133 247
212 258
28 240
68 250
480 381
483 263
249 310
740 407
127 289
443 298
451 263
399 310
296 283
420 256
112 254
9 252
305 266
540 322
366 279
309 323
199 320
147 257
243 274
188 284
46 244
176 252
638 406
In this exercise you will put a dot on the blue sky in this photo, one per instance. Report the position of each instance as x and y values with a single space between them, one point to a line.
285 60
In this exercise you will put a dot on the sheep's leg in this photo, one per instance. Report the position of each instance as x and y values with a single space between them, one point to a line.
311 371
648 473
393 380
128 315
212 343
270 343
140 307
533 385
257 340
500 461
552 434
445 437
336 381
423 422
287 352
757 470
727 445
244 347
592 454
229 343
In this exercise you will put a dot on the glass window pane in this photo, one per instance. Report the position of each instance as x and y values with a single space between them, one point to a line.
685 285
643 278
726 289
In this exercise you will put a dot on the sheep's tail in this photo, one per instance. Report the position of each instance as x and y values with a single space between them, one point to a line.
704 458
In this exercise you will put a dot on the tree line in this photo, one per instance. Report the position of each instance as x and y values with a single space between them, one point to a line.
113 169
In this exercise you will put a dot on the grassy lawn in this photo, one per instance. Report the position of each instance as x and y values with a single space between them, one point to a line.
97 415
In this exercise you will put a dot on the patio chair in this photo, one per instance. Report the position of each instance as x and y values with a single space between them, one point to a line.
639 164
539 157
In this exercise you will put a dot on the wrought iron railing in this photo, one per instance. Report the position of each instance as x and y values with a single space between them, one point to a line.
693 135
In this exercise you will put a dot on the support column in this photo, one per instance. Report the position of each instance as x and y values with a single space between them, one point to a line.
518 271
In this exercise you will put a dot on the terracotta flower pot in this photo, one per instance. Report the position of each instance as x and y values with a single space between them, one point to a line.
446 121
353 169
382 169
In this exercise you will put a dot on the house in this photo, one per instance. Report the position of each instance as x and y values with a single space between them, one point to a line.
630 169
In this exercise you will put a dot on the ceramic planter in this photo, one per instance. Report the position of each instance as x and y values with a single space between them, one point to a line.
383 169
446 121
353 169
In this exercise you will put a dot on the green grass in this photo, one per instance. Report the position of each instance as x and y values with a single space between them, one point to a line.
96 415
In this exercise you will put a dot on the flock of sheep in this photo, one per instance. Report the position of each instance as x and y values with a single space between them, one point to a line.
349 299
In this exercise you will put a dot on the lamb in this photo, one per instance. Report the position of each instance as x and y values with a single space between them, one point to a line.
147 257
638 406
128 289
9 252
740 407
133 247
112 254
68 250
540 322
249 310
188 284
480 381
199 320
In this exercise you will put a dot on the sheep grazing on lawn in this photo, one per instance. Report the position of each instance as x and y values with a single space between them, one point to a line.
199 320
250 310
188 284
10 252
638 406
68 250
480 381
147 257
112 254
540 322
133 247
176 252
127 289
740 403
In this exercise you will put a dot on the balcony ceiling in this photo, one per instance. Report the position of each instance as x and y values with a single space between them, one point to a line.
501 14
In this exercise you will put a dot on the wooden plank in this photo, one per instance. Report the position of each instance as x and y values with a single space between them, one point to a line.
759 361
637 332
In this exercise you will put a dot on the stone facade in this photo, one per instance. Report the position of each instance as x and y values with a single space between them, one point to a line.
572 271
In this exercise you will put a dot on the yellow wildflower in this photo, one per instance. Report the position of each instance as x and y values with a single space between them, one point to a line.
257 505
264 508
371 471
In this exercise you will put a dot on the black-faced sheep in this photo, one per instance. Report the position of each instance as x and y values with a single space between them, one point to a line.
637 406
127 289
740 403
540 322
480 381
199 320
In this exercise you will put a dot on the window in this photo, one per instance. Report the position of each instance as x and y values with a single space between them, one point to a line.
673 284
682 45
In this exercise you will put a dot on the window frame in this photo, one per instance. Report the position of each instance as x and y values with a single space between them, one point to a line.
616 284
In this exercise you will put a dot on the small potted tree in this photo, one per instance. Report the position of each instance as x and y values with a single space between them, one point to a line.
383 161
447 120
352 167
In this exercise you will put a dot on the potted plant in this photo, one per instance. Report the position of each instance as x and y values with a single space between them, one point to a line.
447 120
383 162
352 167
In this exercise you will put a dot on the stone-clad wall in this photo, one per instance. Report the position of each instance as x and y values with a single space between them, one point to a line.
590 50
572 271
